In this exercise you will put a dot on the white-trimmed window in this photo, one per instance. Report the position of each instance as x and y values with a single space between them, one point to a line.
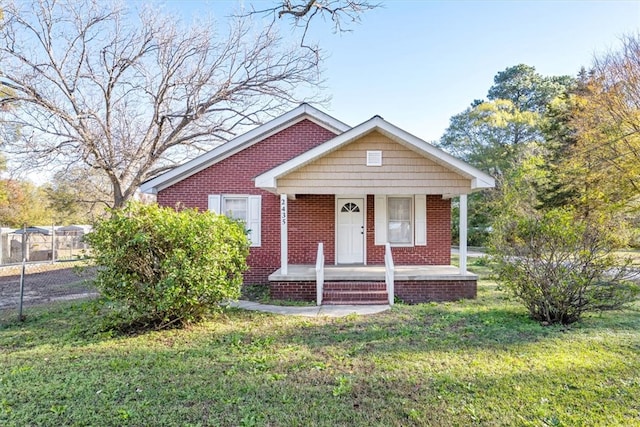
235 207
401 220
246 208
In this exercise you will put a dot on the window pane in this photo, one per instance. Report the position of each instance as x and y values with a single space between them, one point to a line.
235 208
400 229
350 207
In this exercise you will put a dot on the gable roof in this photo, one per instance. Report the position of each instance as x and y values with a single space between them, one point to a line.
302 112
479 179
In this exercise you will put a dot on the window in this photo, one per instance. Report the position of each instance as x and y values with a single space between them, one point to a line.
350 207
235 207
399 220
242 207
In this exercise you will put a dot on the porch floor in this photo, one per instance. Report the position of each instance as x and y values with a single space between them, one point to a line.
307 272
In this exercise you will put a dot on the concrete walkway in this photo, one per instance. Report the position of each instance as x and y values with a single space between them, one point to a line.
312 311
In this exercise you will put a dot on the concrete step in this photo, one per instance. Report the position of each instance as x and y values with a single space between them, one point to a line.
362 302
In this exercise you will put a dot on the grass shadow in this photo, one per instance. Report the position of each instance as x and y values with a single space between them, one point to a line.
478 362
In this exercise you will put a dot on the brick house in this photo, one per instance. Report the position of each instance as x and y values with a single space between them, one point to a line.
336 213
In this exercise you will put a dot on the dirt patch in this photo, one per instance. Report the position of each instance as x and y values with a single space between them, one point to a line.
45 283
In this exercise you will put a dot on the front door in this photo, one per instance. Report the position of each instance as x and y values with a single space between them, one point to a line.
350 231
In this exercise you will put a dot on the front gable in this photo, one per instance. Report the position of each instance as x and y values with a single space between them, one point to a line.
347 164
402 170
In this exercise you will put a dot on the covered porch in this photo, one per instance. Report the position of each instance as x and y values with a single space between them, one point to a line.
372 284
373 279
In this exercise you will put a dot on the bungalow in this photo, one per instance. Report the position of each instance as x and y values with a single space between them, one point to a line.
336 214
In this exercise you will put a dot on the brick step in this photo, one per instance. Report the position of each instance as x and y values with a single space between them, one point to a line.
360 302
355 286
354 297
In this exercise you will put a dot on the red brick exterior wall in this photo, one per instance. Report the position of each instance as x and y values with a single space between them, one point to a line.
295 291
311 220
438 248
437 290
234 175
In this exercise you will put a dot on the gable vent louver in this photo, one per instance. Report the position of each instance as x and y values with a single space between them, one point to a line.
374 158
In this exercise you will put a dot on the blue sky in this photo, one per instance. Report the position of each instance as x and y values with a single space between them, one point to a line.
417 63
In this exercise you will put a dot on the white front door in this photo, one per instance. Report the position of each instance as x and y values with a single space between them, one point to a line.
350 230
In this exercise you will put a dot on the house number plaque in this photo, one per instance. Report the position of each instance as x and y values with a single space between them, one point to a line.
283 209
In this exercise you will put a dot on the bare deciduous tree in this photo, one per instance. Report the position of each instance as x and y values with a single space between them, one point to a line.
130 96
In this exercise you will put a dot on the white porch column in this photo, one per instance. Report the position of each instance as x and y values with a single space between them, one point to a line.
284 250
463 234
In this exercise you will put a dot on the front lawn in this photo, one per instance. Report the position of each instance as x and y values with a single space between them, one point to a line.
479 362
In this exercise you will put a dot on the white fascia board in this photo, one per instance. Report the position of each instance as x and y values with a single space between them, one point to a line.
479 179
304 111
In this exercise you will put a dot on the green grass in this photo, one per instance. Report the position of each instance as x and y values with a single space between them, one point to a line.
479 362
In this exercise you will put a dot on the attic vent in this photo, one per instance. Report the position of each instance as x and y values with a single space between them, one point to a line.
374 158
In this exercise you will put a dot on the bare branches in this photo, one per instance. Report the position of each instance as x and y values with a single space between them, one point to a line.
341 13
131 96
337 10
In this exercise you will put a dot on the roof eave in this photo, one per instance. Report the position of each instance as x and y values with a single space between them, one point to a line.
303 111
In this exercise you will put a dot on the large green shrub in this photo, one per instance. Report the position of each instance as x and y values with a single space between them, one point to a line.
560 265
164 266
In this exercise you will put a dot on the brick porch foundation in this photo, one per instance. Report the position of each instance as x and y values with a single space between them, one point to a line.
411 292
425 291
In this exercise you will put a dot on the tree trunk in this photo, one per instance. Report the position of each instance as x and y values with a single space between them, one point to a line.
118 198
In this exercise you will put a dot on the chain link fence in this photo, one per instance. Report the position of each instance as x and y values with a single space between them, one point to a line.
43 283
55 267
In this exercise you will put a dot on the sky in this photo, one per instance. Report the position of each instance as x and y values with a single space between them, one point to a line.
417 63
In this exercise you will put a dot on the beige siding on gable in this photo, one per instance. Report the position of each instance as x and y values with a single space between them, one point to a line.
403 171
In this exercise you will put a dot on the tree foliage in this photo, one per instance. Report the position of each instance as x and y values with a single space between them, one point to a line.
490 134
561 265
499 134
22 203
526 89
603 166
165 267
130 96
77 195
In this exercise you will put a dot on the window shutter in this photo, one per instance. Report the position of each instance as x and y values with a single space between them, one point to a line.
254 213
214 203
421 219
380 213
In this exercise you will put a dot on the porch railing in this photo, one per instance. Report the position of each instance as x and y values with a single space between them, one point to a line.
319 273
389 271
